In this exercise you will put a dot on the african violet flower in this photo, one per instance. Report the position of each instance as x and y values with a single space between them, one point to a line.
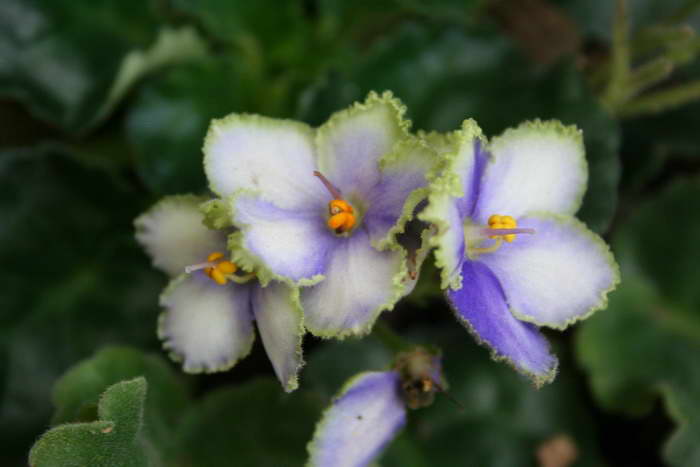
370 410
512 255
323 206
209 306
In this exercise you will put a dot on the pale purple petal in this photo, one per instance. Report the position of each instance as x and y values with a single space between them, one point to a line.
558 275
281 325
209 327
481 306
359 284
173 235
353 141
392 200
294 244
363 419
472 176
536 167
273 156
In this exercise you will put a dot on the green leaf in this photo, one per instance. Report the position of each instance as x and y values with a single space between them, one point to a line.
169 119
61 58
265 31
112 441
253 424
648 342
641 347
661 238
76 394
73 278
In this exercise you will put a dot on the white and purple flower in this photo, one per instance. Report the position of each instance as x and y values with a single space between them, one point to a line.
512 256
321 208
209 306
370 410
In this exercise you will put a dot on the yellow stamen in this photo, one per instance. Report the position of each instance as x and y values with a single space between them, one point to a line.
216 268
215 256
218 277
226 267
503 222
342 216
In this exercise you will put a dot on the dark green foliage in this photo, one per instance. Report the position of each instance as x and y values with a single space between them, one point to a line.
103 109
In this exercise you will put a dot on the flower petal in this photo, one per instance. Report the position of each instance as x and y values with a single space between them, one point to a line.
452 197
538 166
360 283
292 244
351 143
559 275
281 326
481 306
205 325
403 184
174 236
275 157
363 419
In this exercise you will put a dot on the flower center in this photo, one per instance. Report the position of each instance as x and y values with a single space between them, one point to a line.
216 268
341 214
487 239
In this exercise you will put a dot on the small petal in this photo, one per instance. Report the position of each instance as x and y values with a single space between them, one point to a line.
351 143
174 236
275 157
281 325
292 244
363 419
538 166
452 197
401 186
556 276
206 326
360 283
481 306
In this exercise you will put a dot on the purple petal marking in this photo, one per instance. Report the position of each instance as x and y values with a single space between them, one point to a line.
471 181
363 419
556 276
359 280
386 199
481 306
292 243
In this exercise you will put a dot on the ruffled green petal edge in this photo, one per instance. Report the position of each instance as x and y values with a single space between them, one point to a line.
293 382
217 214
398 288
604 249
177 357
445 184
248 261
554 128
217 125
372 99
538 380
402 150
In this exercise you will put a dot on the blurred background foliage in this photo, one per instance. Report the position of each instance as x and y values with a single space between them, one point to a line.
103 108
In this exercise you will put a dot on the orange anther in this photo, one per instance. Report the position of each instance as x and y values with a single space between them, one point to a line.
215 256
338 221
226 267
218 277
338 205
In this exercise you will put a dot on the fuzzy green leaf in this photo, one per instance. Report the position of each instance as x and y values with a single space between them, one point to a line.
110 442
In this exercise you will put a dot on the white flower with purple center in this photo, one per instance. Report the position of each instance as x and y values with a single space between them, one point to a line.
322 207
512 255
210 305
